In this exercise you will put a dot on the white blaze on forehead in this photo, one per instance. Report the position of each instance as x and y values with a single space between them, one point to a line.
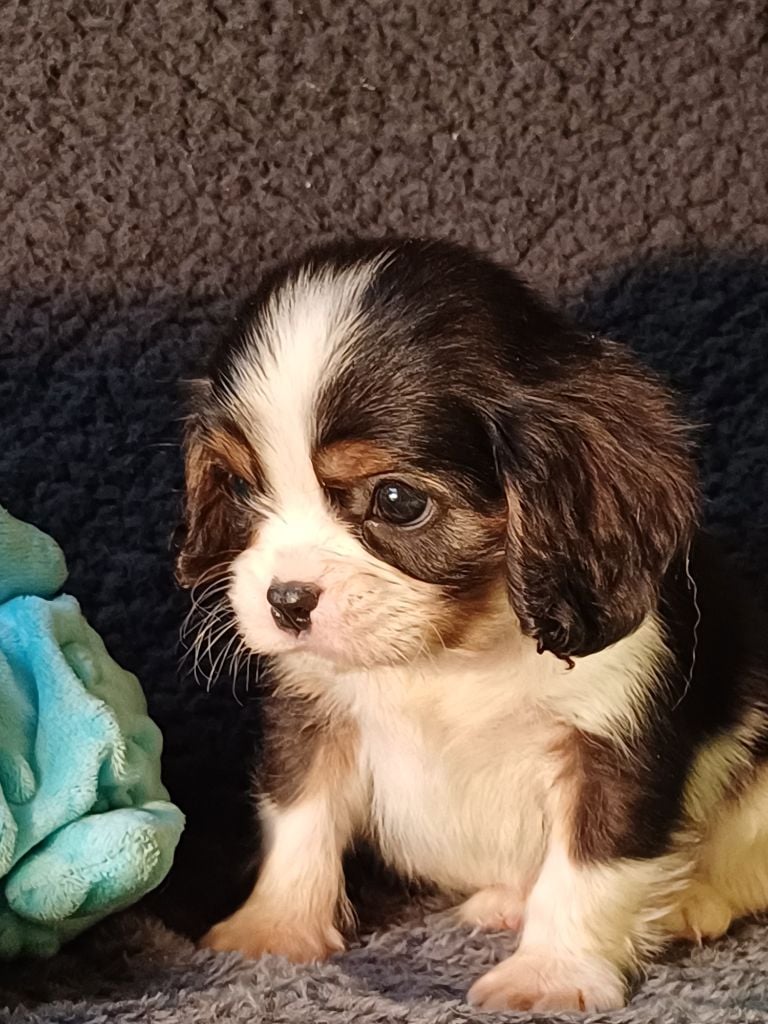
302 337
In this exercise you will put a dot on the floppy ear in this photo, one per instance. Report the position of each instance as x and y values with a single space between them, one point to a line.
210 529
203 510
601 495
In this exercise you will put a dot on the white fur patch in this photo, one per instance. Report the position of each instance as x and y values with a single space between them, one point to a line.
442 775
543 981
457 750
583 924
606 693
368 611
300 340
611 911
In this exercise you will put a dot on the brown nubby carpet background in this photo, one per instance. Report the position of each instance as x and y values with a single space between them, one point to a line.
157 156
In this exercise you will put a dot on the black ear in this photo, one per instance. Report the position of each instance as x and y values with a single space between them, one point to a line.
601 495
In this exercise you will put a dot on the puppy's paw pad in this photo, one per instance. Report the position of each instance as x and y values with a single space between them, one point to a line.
253 936
497 908
539 981
701 914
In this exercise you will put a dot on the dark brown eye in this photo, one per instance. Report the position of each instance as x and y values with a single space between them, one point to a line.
400 504
239 486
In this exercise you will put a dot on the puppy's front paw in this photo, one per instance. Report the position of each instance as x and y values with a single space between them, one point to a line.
497 908
538 980
254 934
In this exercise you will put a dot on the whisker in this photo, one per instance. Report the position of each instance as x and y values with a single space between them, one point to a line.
214 638
196 617
221 660
208 632
207 619
234 691
212 570
199 596
237 657
215 588
207 648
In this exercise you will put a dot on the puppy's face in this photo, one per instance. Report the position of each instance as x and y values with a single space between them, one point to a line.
403 450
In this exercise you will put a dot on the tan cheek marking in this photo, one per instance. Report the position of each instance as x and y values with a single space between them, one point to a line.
346 461
472 622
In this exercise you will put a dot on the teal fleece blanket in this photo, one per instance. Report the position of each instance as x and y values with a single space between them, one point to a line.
86 826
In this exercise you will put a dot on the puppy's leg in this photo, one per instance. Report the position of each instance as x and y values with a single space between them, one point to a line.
312 804
731 875
701 913
586 925
292 910
611 872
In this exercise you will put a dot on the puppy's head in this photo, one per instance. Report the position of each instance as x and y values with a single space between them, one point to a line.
403 449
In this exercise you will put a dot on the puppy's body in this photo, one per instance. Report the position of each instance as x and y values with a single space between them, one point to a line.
500 654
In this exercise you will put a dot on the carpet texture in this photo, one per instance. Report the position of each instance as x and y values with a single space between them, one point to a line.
156 157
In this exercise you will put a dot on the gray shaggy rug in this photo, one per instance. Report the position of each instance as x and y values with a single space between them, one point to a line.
156 156
134 970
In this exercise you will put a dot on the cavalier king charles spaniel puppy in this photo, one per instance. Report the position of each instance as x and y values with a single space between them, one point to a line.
464 533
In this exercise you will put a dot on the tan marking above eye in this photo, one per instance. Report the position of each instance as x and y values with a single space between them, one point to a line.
233 452
347 461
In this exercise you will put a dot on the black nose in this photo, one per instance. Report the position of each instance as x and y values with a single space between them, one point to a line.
292 604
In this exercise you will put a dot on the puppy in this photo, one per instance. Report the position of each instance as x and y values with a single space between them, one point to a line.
464 532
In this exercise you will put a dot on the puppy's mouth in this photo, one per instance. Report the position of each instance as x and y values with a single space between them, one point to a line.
294 621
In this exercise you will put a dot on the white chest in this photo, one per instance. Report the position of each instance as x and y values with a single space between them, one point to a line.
457 793
457 760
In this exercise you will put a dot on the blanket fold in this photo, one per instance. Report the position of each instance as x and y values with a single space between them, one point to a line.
86 826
